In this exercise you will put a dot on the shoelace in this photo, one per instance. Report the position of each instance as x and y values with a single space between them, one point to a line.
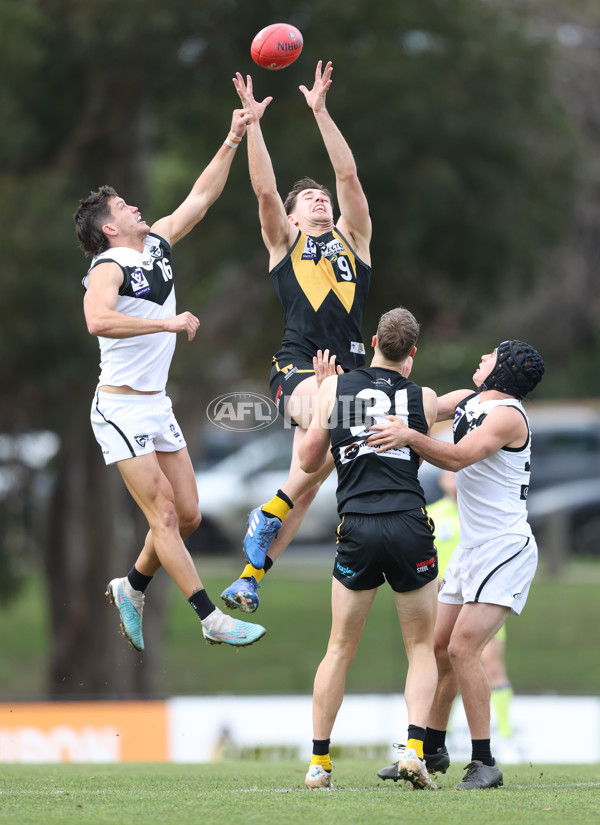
267 533
470 769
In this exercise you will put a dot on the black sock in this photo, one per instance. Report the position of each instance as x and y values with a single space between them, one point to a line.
201 603
279 494
137 580
321 747
268 564
415 732
285 498
434 740
481 751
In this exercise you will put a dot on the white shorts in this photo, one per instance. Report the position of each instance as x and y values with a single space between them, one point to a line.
497 572
127 426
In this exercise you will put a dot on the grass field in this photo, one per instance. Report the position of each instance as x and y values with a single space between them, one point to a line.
229 793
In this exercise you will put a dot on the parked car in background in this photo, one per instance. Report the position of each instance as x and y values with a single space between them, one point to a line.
565 479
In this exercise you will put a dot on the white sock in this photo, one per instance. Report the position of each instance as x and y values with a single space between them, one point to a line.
218 621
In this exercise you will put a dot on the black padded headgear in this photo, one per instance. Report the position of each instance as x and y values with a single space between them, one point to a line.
519 369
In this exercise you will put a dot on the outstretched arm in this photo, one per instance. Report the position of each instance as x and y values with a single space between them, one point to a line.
502 427
278 233
354 208
207 188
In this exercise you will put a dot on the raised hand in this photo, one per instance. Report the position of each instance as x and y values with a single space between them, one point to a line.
325 366
254 107
315 97
240 121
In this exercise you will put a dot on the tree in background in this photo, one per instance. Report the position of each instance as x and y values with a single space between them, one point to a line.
465 152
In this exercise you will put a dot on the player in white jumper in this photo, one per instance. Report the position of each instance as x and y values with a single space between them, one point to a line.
490 572
130 305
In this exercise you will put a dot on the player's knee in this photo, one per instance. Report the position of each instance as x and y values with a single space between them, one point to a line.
458 650
440 648
189 521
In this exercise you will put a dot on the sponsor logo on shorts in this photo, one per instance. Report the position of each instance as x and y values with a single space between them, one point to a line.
290 373
517 596
357 346
142 439
242 411
423 566
524 491
174 431
345 571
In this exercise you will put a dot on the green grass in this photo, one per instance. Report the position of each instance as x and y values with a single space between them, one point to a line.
268 793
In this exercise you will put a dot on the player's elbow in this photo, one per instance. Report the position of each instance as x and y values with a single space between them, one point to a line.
95 326
310 458
309 464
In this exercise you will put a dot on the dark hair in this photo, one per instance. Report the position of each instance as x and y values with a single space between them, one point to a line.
92 214
300 186
397 334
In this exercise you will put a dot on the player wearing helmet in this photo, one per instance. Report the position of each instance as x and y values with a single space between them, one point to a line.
491 570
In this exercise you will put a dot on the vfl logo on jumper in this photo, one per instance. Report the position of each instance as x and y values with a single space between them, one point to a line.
345 571
139 284
465 421
309 253
423 566
142 439
242 411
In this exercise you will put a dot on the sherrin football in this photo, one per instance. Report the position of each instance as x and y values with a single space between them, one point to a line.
276 46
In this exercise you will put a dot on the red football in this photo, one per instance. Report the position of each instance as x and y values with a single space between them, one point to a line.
276 46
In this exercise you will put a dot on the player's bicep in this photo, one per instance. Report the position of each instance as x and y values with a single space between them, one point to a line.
101 294
495 432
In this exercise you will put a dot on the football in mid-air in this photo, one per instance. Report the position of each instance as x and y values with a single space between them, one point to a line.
276 46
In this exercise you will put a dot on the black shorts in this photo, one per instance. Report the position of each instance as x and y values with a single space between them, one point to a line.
397 547
287 372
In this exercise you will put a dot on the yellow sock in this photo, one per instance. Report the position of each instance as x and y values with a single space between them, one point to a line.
249 570
323 761
277 507
501 699
417 744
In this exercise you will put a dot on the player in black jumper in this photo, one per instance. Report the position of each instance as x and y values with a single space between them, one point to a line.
385 534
